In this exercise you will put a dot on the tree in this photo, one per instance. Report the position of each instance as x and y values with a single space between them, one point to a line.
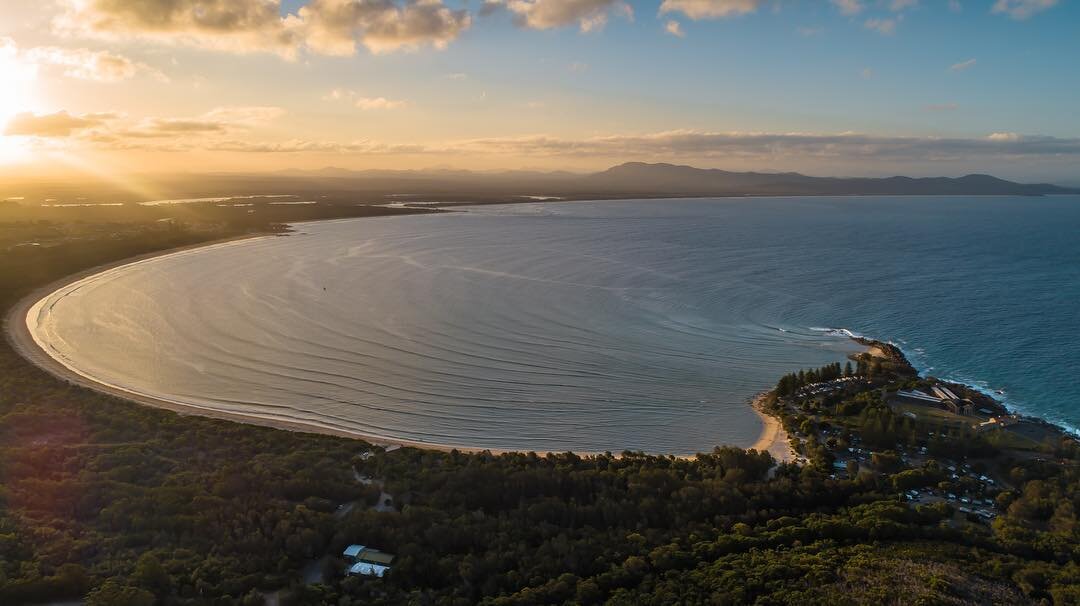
111 593
151 575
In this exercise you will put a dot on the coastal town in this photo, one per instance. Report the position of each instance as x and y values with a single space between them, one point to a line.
944 443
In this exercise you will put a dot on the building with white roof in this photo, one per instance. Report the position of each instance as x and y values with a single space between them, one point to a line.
368 570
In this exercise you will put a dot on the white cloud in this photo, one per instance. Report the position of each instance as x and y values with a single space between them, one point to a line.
80 63
247 115
710 9
59 124
363 102
808 32
218 121
955 6
849 7
85 64
881 26
1022 9
232 25
963 65
769 145
837 150
334 27
674 28
901 5
589 15
376 103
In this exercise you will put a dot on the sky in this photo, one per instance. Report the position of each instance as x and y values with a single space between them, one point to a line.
825 87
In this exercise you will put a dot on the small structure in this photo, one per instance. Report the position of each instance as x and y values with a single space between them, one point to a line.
918 397
959 407
942 396
366 561
367 570
944 392
952 402
374 556
997 423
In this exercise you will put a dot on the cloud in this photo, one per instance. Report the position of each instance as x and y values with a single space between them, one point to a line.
60 124
336 27
1022 9
588 15
163 127
866 73
843 149
849 7
85 64
710 9
363 102
808 32
333 27
955 6
963 65
370 103
771 145
578 67
232 25
80 63
218 121
674 28
901 5
886 27
245 115
294 146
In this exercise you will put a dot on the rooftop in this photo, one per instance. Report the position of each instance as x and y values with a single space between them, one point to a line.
370 570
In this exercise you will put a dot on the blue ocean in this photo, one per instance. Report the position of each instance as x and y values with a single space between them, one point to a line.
979 290
589 326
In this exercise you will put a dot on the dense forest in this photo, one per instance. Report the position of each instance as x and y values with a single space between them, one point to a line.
109 502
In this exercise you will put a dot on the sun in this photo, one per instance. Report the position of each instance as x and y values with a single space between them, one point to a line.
16 79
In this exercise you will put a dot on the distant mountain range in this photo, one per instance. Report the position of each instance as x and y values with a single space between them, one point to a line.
687 180
629 180
657 180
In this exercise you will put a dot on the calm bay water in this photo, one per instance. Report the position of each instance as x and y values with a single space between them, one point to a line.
588 326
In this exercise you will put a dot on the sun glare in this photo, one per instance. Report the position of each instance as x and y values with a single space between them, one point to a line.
18 79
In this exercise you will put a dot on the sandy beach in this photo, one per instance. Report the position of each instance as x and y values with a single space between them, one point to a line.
18 333
774 439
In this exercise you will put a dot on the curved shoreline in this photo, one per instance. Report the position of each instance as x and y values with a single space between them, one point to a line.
19 335
774 439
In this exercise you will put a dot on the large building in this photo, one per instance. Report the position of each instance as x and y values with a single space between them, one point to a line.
367 561
942 396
